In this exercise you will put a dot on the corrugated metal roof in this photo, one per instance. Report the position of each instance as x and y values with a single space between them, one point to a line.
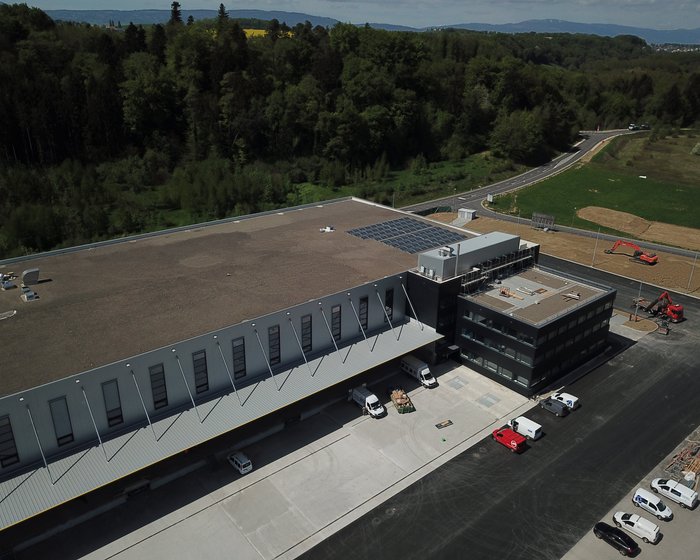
33 492
476 243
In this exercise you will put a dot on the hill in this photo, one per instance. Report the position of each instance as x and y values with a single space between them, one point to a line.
656 36
103 17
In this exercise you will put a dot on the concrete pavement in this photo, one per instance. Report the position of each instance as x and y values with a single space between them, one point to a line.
309 480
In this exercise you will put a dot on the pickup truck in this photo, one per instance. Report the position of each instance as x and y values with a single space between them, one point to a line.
510 439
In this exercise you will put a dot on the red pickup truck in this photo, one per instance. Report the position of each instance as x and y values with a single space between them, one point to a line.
512 440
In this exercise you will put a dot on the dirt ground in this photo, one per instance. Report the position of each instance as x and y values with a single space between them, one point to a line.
667 234
672 272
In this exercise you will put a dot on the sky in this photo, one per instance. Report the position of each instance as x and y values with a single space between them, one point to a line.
654 14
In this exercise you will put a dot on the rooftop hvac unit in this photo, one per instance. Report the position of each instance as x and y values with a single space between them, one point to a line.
422 269
431 273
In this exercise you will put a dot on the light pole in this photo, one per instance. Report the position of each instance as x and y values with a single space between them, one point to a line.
572 217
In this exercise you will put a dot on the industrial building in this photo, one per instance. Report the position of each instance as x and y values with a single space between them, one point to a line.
135 350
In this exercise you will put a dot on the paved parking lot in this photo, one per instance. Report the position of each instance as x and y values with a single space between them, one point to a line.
310 480
680 536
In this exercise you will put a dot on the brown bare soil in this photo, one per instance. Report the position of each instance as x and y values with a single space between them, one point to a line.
672 272
667 234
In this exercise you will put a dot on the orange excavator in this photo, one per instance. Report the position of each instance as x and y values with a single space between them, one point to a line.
664 306
638 255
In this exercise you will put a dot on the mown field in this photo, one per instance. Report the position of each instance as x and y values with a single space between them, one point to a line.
654 178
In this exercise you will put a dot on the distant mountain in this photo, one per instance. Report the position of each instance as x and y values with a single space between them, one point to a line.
658 36
103 17
677 36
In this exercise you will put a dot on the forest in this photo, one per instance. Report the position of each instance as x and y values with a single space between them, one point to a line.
112 131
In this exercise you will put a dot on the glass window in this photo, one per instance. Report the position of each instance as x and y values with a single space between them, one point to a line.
306 331
364 311
201 376
61 420
113 404
238 345
335 322
505 372
8 449
389 304
273 341
158 388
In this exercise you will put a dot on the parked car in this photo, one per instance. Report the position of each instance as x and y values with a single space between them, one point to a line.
510 439
616 538
240 462
568 399
637 525
674 490
653 504
526 427
555 407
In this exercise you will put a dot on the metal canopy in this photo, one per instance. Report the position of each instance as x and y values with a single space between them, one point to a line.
35 491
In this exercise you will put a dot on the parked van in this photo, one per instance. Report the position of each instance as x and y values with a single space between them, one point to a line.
653 504
367 401
526 427
675 491
418 370
240 462
637 525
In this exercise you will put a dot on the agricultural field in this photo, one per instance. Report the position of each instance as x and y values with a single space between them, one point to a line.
648 177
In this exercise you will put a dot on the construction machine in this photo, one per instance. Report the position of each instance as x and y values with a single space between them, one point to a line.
664 306
638 255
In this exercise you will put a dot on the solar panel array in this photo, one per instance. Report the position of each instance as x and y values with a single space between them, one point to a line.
408 235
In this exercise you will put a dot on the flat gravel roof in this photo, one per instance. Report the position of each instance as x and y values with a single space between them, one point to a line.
102 304
537 296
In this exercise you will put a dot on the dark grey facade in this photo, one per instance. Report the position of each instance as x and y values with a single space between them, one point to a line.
527 357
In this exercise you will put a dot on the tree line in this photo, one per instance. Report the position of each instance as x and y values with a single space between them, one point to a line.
112 131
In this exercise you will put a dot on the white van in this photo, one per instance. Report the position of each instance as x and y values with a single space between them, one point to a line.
637 525
526 427
653 504
675 491
240 462
367 401
418 370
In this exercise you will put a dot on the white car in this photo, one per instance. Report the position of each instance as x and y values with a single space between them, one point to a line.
675 491
240 462
637 525
569 400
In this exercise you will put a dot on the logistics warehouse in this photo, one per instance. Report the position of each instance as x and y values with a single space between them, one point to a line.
136 350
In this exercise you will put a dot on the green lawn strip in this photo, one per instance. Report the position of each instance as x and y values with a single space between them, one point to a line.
593 185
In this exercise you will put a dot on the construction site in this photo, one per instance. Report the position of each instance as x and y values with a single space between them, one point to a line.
670 272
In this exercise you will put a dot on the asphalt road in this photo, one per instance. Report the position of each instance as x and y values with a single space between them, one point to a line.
488 503
473 198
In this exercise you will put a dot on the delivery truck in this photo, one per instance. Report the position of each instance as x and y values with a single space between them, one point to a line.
368 402
418 370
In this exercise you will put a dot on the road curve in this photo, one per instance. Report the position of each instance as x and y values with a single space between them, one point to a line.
474 198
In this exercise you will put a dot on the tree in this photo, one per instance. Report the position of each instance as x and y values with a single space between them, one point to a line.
223 14
175 14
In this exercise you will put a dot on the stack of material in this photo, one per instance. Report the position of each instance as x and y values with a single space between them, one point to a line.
402 401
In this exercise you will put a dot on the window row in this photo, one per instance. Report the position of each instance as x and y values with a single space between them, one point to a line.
503 371
497 346
542 337
499 327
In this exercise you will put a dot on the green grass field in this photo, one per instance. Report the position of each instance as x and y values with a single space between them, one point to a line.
670 193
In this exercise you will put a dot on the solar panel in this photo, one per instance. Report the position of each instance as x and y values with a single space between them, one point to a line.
408 235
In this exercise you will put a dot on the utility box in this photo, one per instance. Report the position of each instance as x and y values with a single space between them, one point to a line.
466 214
30 277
